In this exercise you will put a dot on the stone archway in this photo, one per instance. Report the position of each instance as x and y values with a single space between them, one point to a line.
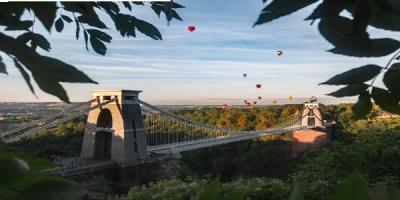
103 139
102 145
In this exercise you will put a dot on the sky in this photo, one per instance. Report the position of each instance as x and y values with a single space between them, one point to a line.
204 66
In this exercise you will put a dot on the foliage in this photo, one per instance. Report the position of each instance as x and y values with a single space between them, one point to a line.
252 189
21 179
50 72
349 37
64 140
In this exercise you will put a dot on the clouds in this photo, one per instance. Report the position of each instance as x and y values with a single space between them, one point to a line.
194 67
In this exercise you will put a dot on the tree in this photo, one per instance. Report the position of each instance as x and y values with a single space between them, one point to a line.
349 37
49 72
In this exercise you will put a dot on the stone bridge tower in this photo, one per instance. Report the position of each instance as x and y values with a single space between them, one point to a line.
311 115
115 130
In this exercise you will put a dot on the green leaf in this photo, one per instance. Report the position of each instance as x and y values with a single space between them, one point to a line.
66 18
363 106
54 189
59 25
354 187
147 29
350 90
392 80
280 8
92 21
385 100
36 39
98 46
11 169
354 76
2 66
25 75
297 192
211 191
45 12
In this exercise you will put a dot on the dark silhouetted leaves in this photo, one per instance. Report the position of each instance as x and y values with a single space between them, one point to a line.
59 25
92 21
85 35
328 8
127 5
49 72
280 8
354 187
392 80
12 169
361 19
46 12
96 40
54 190
147 29
66 18
36 40
100 35
78 29
127 25
17 25
339 32
84 8
109 6
350 90
2 66
25 75
363 106
98 46
168 8
356 75
385 100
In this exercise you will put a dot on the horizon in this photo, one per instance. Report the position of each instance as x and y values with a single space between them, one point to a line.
204 66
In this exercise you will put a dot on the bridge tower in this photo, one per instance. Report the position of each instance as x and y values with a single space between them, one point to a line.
311 115
115 130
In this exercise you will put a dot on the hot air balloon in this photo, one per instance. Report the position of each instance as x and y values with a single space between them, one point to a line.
274 102
245 101
254 102
244 75
258 85
279 53
191 28
259 98
290 97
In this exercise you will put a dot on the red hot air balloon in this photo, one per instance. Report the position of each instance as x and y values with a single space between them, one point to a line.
191 28
279 53
258 86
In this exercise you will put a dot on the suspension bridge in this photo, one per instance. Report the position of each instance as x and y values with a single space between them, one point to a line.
122 130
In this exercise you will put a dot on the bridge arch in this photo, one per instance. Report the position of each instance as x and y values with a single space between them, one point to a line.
105 119
115 130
